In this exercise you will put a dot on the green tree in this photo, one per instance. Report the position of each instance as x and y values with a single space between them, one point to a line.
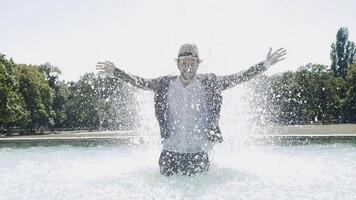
342 54
100 103
82 110
60 101
351 92
311 94
12 106
37 94
320 93
61 93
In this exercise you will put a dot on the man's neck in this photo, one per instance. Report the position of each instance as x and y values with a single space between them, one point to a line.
185 81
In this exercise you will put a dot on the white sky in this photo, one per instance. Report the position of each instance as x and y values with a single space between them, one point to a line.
143 37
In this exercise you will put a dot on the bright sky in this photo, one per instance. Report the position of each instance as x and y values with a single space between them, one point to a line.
143 37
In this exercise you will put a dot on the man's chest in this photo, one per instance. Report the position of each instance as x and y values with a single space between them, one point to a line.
190 99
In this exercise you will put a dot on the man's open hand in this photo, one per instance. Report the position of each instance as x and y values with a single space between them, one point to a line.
275 57
106 67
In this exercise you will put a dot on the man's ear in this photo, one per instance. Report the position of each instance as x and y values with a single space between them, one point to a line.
178 66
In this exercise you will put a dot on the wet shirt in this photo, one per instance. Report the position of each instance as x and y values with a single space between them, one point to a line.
187 118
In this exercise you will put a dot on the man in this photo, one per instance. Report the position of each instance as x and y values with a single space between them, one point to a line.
187 108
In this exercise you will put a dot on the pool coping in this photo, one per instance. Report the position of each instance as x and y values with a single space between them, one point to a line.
72 138
302 139
291 135
95 140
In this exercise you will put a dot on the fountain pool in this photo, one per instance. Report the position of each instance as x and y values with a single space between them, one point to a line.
315 171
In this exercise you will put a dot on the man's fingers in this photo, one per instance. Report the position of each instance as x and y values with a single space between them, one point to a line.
101 63
283 52
269 52
100 67
278 51
279 54
110 63
280 59
105 63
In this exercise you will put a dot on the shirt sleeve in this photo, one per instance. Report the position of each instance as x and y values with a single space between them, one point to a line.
229 81
142 83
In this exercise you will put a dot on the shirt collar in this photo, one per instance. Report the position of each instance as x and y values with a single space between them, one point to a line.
180 83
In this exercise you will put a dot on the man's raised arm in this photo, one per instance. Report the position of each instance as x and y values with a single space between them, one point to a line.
110 69
226 82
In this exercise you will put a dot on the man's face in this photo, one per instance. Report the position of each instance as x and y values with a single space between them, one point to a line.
188 67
